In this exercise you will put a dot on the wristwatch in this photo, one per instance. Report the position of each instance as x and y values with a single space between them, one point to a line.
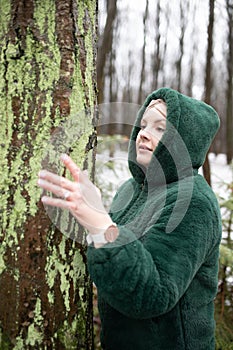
108 236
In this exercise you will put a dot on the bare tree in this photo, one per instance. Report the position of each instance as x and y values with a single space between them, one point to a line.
190 75
105 46
229 92
127 92
208 77
157 54
143 67
168 17
47 73
193 53
184 9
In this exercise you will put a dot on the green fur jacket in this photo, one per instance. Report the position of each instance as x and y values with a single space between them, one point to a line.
157 282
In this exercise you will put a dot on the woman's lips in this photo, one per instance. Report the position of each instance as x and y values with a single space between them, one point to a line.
144 148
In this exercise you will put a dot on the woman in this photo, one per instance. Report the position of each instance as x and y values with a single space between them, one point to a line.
154 257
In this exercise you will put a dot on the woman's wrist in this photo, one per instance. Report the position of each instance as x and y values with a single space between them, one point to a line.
103 221
108 235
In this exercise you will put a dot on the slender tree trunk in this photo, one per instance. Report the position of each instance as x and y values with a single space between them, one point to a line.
127 92
142 76
112 127
105 46
157 54
229 93
208 77
193 53
168 17
183 14
189 87
47 74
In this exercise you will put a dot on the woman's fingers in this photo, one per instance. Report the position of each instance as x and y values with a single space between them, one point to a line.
71 166
81 197
71 191
57 202
56 179
59 180
57 190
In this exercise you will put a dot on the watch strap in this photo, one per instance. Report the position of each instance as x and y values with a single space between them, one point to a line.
104 237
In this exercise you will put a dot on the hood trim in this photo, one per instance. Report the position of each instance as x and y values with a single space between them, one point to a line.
181 112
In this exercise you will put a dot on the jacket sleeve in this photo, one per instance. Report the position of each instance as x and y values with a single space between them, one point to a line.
146 279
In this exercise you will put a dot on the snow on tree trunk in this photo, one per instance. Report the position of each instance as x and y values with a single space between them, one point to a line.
47 73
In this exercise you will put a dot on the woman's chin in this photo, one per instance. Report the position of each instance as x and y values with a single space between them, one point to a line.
142 160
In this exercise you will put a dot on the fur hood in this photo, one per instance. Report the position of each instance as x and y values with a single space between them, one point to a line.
191 127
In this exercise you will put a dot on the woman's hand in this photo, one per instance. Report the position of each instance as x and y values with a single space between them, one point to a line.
80 196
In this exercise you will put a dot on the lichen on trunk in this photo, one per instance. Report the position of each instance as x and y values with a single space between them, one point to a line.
47 79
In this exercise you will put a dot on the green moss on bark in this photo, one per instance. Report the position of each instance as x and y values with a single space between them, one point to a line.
34 86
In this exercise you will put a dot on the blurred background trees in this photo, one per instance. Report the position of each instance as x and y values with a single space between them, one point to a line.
186 45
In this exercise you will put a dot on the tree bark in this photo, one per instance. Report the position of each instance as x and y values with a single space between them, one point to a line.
47 74
193 55
105 46
229 93
208 78
143 73
184 10
157 54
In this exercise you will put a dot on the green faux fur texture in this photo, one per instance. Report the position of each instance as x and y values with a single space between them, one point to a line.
157 282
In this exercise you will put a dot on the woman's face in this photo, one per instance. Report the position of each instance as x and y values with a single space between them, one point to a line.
153 125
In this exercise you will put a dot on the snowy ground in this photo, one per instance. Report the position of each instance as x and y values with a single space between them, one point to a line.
221 173
222 176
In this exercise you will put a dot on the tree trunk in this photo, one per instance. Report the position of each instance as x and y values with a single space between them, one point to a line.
184 11
105 46
157 54
143 73
47 74
208 78
193 55
229 93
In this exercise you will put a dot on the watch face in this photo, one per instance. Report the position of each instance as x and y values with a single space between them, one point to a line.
111 234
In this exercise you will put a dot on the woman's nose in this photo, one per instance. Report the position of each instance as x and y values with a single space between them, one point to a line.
144 134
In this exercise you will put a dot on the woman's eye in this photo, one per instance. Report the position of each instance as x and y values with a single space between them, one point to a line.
143 127
160 129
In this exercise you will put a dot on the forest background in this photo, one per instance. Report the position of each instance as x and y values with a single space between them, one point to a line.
186 45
